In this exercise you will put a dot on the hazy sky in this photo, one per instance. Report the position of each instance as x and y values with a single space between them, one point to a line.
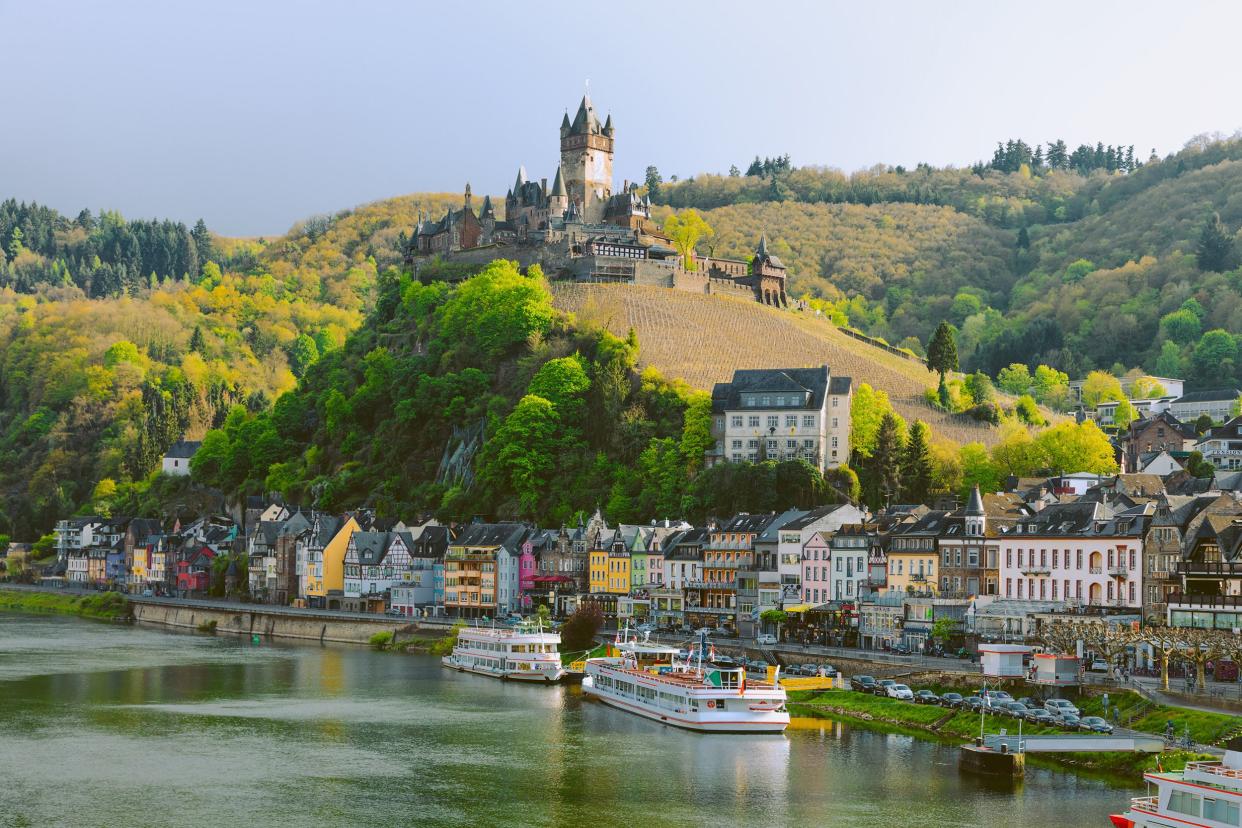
255 114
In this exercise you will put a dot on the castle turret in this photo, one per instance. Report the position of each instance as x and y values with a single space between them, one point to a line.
558 197
975 518
767 274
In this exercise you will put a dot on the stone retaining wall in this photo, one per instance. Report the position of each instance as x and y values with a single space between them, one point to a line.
266 623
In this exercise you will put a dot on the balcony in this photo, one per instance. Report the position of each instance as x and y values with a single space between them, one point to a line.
1119 571
1195 600
1096 570
1210 568
920 578
719 586
1036 569
1145 804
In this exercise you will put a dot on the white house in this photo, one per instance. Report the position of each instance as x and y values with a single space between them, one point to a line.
1076 553
375 562
177 458
1222 446
793 537
782 414
1217 404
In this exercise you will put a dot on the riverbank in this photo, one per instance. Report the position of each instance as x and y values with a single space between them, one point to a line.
957 727
108 606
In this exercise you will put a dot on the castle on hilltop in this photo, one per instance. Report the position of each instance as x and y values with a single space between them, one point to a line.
579 229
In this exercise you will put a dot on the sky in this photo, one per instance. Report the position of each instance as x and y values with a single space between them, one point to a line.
253 115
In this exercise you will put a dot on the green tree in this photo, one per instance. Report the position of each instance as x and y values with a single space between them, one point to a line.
578 632
653 181
302 354
942 356
1014 379
882 484
198 343
685 230
522 451
1215 355
1181 326
917 464
1202 423
122 351
1077 447
1198 467
1146 388
1124 415
979 386
978 469
1214 252
1169 363
1028 411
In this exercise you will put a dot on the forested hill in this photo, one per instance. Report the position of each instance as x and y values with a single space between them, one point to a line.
1075 263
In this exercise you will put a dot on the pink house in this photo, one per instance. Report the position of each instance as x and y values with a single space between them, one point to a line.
817 569
527 569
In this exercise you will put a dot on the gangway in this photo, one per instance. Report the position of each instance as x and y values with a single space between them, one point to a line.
1054 743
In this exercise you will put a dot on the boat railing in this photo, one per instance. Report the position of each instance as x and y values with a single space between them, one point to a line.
1214 769
1145 804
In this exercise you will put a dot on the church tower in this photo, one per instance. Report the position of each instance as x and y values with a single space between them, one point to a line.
586 159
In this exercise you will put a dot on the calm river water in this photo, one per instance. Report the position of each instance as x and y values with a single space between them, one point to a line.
104 725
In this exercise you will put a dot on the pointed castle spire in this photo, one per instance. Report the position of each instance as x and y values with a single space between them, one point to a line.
558 185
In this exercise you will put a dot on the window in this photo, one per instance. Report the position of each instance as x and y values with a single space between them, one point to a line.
766 401
737 444
771 445
720 423
1009 557
780 401
1077 560
834 442
808 421
752 444
834 422
752 421
1219 810
1184 802
773 421
835 400
791 444
808 444
791 421
736 420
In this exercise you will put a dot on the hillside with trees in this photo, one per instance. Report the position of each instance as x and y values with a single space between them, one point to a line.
1079 259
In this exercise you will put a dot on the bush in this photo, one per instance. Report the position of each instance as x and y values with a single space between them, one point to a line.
207 627
445 645
382 640
988 412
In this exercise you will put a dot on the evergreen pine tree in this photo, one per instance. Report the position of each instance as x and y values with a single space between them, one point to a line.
198 342
884 465
917 464
942 350
1024 239
1215 251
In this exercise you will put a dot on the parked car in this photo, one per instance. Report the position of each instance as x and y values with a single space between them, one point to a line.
146 593
1060 707
881 686
863 684
829 670
1070 721
810 669
899 691
1037 715
1029 702
724 660
952 700
1098 666
1012 708
394 612
1096 725
757 666
925 697
997 696
766 640
974 703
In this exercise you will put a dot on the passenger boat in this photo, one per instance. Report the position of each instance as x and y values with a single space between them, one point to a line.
651 680
1203 795
525 652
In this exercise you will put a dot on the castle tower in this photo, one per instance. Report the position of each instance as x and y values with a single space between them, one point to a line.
558 197
586 158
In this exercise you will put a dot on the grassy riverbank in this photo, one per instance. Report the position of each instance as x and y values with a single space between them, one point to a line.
106 605
958 727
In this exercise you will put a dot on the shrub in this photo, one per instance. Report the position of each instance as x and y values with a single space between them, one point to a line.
382 640
207 627
579 631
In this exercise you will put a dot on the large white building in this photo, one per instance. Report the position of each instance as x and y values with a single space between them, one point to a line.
1217 404
782 414
1079 554
1222 446
793 537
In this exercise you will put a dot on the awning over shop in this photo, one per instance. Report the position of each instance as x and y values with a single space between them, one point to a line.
798 608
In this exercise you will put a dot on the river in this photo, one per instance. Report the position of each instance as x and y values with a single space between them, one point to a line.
113 725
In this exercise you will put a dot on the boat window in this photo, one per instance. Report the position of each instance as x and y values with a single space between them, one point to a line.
1184 802
1220 810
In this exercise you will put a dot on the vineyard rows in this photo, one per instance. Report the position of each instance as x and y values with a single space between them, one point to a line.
703 339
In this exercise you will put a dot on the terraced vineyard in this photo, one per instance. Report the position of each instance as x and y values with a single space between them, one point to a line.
703 339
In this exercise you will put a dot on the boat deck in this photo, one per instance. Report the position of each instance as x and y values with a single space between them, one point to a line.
690 679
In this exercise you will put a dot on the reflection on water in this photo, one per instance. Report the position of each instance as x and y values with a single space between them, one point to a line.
107 726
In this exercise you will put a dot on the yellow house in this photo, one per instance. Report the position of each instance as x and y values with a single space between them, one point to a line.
598 571
328 574
913 559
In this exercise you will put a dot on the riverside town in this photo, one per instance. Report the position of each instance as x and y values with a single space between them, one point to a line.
695 429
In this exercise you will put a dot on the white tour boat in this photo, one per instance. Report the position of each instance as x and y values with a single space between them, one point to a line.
650 680
1204 795
523 653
